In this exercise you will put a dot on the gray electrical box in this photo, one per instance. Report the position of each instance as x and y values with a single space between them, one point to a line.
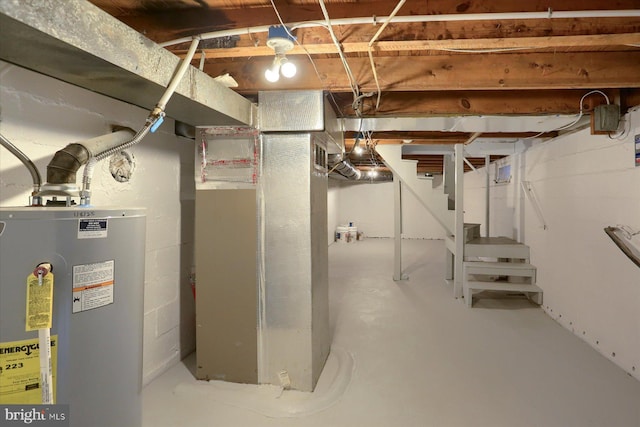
605 118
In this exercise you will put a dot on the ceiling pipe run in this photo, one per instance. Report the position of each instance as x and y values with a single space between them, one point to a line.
374 20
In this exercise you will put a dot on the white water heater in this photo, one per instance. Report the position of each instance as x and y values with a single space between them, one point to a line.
97 259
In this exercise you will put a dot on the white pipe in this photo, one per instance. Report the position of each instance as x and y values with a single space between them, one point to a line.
178 76
103 143
46 371
626 13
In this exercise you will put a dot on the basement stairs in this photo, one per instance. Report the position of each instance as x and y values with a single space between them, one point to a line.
488 263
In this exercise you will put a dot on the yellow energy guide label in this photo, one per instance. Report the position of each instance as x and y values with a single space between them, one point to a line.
20 371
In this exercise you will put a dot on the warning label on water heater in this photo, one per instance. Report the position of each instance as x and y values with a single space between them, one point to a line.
92 285
92 228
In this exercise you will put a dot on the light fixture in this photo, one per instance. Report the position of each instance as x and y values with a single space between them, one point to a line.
357 148
372 173
281 41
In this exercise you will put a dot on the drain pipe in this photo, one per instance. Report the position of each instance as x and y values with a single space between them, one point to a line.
33 170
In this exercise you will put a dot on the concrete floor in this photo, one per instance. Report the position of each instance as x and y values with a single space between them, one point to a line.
408 354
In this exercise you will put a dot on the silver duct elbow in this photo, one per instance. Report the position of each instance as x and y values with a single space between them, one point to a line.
344 167
62 169
65 163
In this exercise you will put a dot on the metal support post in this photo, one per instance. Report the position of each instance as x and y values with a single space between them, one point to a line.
487 163
459 220
397 228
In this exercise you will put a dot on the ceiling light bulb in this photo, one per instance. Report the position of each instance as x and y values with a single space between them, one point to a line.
271 75
358 149
373 173
288 69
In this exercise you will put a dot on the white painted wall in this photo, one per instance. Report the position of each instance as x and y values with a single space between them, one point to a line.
369 205
583 183
40 115
504 200
333 190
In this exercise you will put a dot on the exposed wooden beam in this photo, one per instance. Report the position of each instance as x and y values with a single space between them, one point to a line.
590 41
163 22
447 72
557 101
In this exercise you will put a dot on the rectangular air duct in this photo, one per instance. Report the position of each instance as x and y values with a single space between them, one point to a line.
261 245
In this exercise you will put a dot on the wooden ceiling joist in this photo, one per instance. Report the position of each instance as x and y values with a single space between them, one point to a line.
447 72
495 45
162 21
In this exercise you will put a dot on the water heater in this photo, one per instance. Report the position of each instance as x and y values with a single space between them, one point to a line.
97 259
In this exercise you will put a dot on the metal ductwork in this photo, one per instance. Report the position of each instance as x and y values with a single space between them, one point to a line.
65 163
76 42
343 166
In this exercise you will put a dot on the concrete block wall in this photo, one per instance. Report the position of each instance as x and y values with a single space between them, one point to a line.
583 183
40 115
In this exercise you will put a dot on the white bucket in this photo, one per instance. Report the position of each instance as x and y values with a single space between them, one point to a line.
342 234
353 234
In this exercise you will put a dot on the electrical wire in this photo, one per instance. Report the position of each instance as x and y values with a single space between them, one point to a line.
373 40
352 80
626 129
580 114
313 64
